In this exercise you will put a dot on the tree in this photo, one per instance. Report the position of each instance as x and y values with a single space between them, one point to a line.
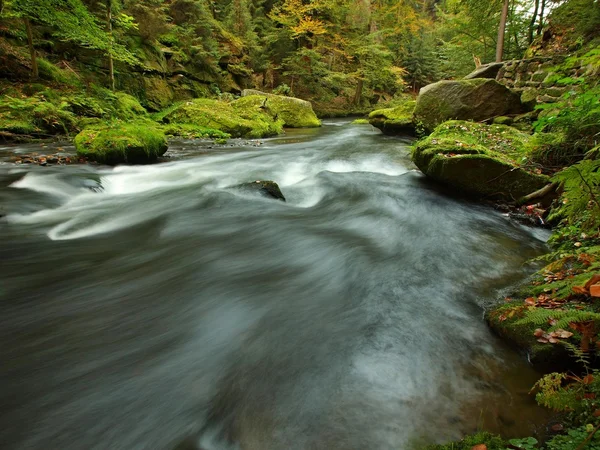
69 20
501 30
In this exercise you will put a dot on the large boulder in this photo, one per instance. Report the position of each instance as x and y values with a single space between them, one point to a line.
123 143
241 118
477 99
478 159
294 112
395 121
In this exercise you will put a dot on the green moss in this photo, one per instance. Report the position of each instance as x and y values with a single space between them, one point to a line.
158 93
119 142
244 119
128 107
360 122
190 131
294 112
397 120
468 442
484 160
50 72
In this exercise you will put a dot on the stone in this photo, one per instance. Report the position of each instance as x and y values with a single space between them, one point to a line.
295 112
479 160
539 76
395 121
486 71
266 188
478 99
125 143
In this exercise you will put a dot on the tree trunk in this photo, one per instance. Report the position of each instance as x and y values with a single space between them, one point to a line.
35 73
111 67
541 22
501 29
358 92
533 20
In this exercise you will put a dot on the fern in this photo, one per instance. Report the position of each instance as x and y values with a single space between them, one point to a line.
562 317
581 183
580 356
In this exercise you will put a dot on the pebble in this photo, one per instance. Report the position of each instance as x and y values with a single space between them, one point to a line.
44 160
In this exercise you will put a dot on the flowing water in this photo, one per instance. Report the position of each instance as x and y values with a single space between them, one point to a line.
152 307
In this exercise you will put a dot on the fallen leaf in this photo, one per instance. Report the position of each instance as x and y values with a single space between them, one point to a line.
588 379
530 301
479 447
543 340
538 332
557 427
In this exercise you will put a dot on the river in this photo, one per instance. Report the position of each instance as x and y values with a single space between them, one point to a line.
154 307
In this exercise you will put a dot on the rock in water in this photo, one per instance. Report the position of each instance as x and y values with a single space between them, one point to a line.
395 121
478 159
266 188
295 112
477 99
127 143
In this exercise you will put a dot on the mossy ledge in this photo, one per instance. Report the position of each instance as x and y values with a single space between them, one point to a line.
122 143
395 121
241 118
478 159
294 112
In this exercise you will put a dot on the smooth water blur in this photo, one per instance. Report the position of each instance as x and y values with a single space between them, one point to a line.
141 306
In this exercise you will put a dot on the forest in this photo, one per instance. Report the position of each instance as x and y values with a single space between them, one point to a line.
495 102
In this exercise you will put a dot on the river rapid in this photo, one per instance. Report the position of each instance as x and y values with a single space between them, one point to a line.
154 307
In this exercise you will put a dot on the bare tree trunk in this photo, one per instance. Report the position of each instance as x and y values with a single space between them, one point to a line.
501 29
541 22
533 20
35 73
111 67
358 92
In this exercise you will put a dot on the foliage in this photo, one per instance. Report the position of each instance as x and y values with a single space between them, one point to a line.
491 442
580 183
72 22
577 117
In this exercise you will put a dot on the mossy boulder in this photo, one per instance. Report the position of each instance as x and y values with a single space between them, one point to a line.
478 159
395 121
476 99
122 143
239 118
294 112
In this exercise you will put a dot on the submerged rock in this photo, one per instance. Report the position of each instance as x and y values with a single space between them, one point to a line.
476 99
294 112
478 159
395 121
125 143
266 188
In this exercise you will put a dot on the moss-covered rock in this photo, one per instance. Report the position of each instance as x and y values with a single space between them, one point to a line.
478 159
394 121
294 112
239 119
477 99
122 143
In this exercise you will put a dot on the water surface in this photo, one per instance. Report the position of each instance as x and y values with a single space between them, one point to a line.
141 306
